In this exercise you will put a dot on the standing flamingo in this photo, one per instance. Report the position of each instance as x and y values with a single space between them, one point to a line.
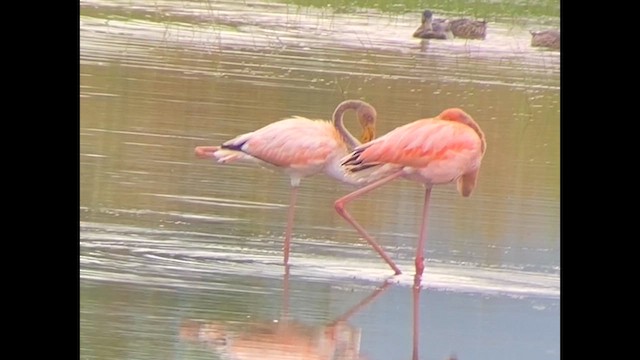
441 150
300 147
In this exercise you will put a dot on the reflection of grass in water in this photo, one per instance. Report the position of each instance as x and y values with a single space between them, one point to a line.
475 8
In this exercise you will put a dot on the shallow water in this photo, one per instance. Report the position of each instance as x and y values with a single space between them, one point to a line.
170 243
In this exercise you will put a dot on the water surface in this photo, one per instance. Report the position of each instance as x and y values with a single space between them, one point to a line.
170 243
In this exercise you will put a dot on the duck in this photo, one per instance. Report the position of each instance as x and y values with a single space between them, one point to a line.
445 29
469 29
433 29
546 38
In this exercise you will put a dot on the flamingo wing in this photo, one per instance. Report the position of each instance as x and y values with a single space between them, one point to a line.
296 142
417 144
440 151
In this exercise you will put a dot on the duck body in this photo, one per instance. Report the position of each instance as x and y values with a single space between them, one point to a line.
469 29
446 29
546 38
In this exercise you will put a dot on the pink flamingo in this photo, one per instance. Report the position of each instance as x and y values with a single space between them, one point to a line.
300 147
441 150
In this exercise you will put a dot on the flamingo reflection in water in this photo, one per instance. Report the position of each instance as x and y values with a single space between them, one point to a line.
288 339
417 287
301 147
283 339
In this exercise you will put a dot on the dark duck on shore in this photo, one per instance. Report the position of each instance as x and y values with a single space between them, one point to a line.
547 38
444 28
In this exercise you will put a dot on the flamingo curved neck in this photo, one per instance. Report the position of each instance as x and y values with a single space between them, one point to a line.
338 121
458 115
474 125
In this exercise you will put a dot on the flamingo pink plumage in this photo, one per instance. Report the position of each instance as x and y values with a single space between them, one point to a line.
445 149
300 147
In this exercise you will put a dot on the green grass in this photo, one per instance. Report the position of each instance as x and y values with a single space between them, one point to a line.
489 9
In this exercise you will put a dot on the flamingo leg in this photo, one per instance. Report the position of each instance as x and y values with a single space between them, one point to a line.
416 315
344 318
341 202
364 302
285 294
423 233
287 233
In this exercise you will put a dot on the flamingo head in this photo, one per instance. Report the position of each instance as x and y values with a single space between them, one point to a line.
367 118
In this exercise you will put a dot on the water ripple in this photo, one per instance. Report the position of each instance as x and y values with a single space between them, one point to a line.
307 44
178 259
